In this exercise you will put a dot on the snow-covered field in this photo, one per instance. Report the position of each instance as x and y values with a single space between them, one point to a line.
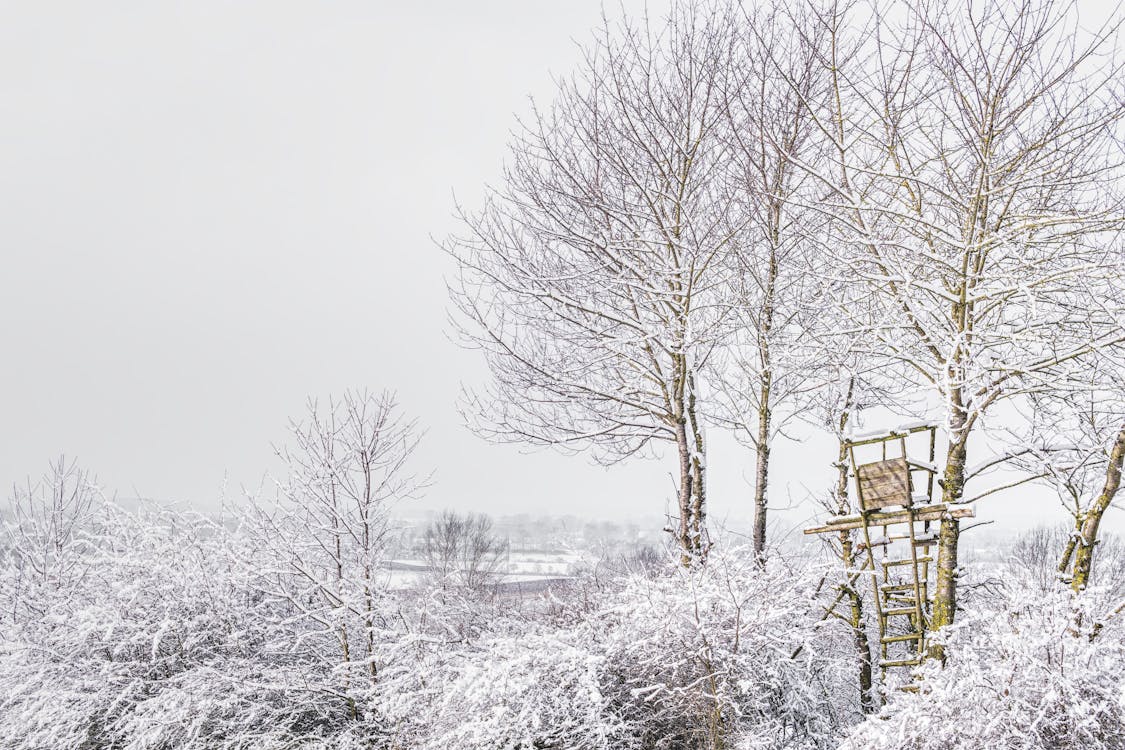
530 571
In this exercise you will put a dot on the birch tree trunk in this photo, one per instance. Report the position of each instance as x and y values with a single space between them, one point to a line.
761 474
765 386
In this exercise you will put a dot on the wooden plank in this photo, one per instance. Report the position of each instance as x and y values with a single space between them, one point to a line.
883 437
888 517
878 517
916 465
884 483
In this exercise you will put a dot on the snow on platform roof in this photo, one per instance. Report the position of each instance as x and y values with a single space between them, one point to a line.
901 429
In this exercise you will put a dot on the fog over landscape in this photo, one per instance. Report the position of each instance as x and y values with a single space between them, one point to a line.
214 212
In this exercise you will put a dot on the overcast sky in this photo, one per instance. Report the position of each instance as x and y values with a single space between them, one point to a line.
212 210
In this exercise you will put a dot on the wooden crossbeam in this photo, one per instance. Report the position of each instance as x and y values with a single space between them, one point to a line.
921 513
889 435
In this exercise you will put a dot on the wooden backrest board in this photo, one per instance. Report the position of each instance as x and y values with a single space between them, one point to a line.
884 483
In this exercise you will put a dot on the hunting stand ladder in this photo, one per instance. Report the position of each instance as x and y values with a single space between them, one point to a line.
897 539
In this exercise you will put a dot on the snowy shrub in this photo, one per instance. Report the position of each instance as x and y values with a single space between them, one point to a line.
534 690
316 548
160 643
701 656
162 634
698 658
1040 673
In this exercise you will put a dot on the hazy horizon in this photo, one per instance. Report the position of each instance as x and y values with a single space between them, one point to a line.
217 211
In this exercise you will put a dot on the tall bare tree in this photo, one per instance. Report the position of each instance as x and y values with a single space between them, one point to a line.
973 151
594 279
771 81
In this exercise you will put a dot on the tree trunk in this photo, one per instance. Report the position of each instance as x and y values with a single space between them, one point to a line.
1071 543
856 620
698 469
761 473
847 556
1084 553
765 389
684 498
863 649
945 595
953 487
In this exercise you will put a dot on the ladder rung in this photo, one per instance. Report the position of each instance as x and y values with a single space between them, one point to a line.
902 600
899 611
900 663
895 588
908 561
908 688
920 540
901 638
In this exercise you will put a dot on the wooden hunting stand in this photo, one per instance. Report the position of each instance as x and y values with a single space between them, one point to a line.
897 538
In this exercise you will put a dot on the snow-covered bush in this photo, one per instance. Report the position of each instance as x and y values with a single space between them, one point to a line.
168 631
49 527
1044 671
698 658
160 643
527 690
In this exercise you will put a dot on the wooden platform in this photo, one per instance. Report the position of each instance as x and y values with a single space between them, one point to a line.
921 513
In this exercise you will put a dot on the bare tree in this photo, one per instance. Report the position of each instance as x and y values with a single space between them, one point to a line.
48 529
463 550
324 535
771 81
595 278
1035 559
974 153
1075 439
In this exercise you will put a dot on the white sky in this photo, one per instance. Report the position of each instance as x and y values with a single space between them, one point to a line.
212 210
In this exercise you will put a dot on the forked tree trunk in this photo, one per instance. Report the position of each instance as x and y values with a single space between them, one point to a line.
690 452
684 535
690 497
1088 538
